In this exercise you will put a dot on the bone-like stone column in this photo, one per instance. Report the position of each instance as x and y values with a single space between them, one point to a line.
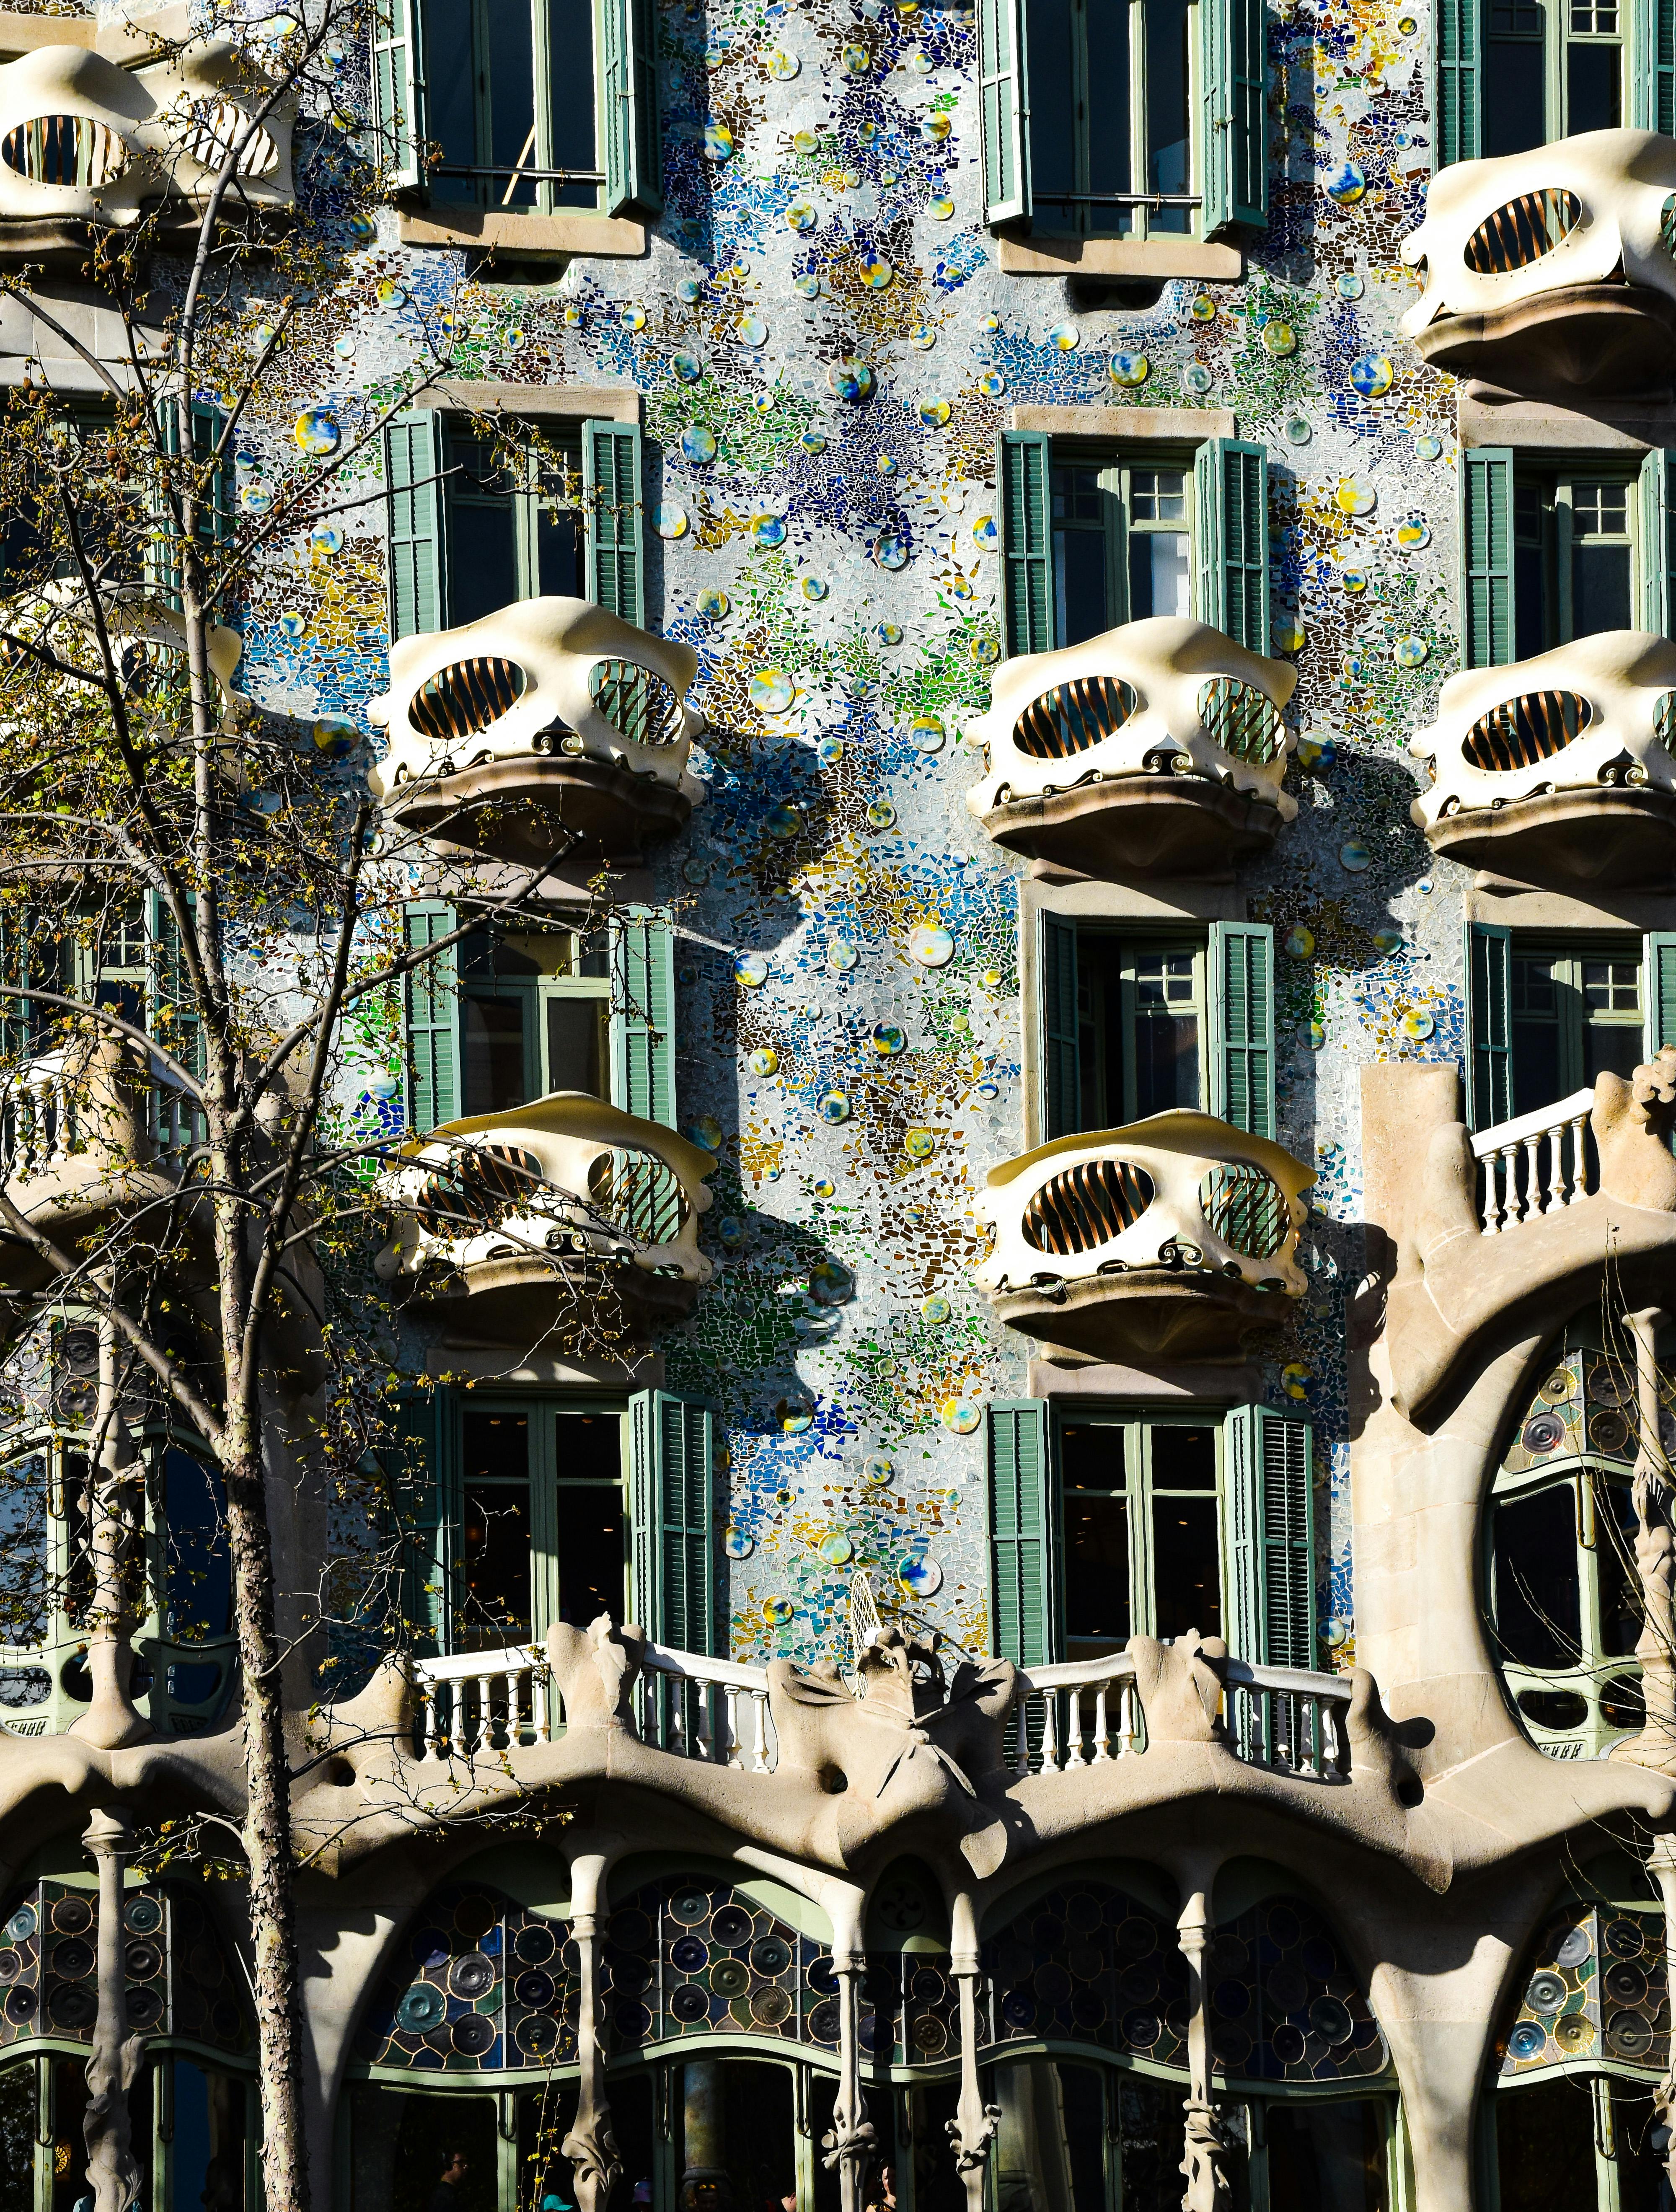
589 2146
114 2062
1204 2164
115 1481
1655 1557
972 2130
850 2143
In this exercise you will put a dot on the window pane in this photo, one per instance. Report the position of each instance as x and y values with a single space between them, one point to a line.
1096 1567
511 98
735 2116
591 1552
1166 1033
1167 125
208 2159
570 36
1109 103
19 2116
1515 117
1327 2155
1620 1584
1091 1456
1535 1543
575 1037
1536 1032
24 1596
1159 581
1544 2145
1158 495
1053 109
482 559
494 1532
1033 2142
559 546
1533 631
493 1032
1183 1458
1083 2101
1186 1586
1151 2127
1599 589
1079 585
452 77
1593 76
199 1573
1641 2182
401 2144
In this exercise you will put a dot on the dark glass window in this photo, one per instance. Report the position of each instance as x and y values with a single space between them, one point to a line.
1140 1511
1111 105
1573 553
1577 1012
1140 1028
591 1532
1122 545
494 1532
1552 69
504 126
1537 1599
513 530
1096 1535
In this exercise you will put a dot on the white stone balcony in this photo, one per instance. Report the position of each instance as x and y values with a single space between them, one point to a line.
566 1219
1156 750
1552 268
1175 1237
1558 771
84 142
548 729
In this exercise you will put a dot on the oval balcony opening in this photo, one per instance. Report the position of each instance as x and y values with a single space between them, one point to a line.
1240 718
1520 733
466 697
1073 716
471 1195
642 1196
77 150
1246 1208
639 705
1522 231
1087 1206
210 130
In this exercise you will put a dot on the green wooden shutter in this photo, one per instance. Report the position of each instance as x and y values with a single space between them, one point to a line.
1657 540
1023 473
173 1015
1653 66
398 89
1242 1086
1061 1087
1659 983
1489 970
1234 109
432 1021
1487 554
18 1020
1457 44
629 77
1023 1533
611 485
1231 502
1268 1538
643 1035
422 1490
418 553
672 1455
215 525
1003 101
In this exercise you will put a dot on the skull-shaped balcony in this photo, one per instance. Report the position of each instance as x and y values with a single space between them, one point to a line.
85 143
1560 771
565 1222
550 730
1156 750
1552 269
1174 1238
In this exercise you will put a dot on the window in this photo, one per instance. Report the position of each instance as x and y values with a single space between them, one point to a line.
1110 117
1108 1522
471 531
1553 551
1583 2140
1558 68
527 105
1087 116
1545 1015
1137 1023
533 1017
1093 536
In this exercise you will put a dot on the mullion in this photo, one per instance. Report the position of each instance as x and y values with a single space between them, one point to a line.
1139 147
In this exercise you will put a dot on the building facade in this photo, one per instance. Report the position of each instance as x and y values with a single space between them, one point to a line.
1083 1623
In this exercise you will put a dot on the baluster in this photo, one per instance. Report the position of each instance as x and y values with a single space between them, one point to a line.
730 1722
759 1732
538 1720
485 1712
1318 1737
1074 1750
1579 1156
706 1731
1101 1753
1492 1198
1532 1176
426 1717
1050 1733
1556 1198
1126 1721
457 1718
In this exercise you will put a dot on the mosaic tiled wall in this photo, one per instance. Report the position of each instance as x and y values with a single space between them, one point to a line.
826 349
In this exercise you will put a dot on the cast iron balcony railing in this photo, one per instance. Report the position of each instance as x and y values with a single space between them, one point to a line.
1176 1236
550 729
1157 749
1558 771
1552 268
562 1219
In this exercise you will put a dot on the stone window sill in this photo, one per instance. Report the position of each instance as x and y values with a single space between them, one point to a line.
572 401
1188 425
487 229
1118 257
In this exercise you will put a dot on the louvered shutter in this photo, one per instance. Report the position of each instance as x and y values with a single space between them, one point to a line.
1268 1537
215 525
173 1015
1061 1088
413 485
399 91
423 1491
1456 33
1487 554
1024 473
1004 107
1489 971
1654 503
1234 106
1653 66
1022 1533
1242 1088
611 486
629 76
1241 1570
433 1020
673 1452
1658 984
643 1033
17 1019
200 437
1231 503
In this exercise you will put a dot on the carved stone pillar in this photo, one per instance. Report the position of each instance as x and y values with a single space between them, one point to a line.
972 2130
851 2143
114 2062
589 2146
115 1496
1655 1557
1205 2163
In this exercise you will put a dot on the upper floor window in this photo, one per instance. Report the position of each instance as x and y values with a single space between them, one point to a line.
1094 535
533 1017
531 105
512 527
1546 1015
1142 1549
1088 109
1513 74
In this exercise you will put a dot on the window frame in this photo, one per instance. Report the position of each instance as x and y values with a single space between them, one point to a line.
485 177
1126 216
1571 950
1132 941
535 993
1555 485
1557 37
1116 464
525 498
1136 1425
